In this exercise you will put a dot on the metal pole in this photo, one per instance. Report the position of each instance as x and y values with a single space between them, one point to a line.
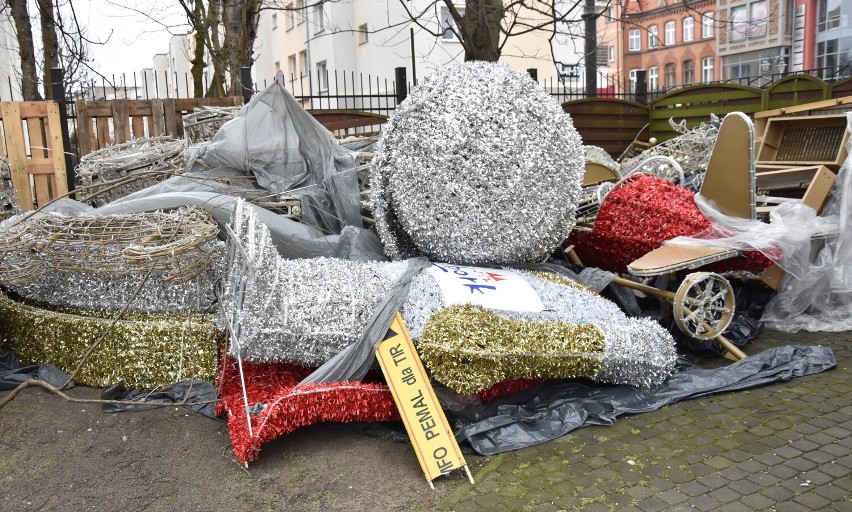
401 90
591 19
245 83
58 87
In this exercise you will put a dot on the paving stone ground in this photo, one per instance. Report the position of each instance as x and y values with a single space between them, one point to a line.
782 447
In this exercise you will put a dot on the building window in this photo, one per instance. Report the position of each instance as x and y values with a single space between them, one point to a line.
303 62
633 73
291 16
831 55
319 17
758 20
653 78
274 21
291 66
707 25
670 33
688 72
738 24
688 29
299 12
611 53
634 40
829 15
322 76
602 55
653 37
610 14
448 24
670 76
707 69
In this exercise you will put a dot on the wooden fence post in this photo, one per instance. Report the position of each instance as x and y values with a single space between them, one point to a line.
58 87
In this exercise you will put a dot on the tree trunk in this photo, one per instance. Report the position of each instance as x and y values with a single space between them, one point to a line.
217 81
29 72
240 21
202 33
480 29
49 42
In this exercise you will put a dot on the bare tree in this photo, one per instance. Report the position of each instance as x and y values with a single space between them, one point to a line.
26 49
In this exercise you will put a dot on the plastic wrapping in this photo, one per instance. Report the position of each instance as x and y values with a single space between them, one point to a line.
786 240
553 409
198 395
820 298
292 155
13 373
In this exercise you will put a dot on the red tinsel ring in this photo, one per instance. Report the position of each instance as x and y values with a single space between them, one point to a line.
285 408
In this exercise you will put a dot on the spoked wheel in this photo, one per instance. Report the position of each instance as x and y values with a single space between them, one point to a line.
704 305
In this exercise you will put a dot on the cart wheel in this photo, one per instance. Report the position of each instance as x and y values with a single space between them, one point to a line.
704 305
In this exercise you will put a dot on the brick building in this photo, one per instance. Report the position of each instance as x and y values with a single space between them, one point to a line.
674 41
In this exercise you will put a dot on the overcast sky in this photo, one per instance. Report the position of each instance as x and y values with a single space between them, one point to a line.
132 36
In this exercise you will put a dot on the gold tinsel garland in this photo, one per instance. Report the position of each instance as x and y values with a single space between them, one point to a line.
468 348
143 350
561 280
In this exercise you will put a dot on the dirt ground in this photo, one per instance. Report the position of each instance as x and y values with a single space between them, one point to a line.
59 455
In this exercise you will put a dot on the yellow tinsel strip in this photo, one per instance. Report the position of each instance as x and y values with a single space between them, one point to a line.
562 280
468 348
143 350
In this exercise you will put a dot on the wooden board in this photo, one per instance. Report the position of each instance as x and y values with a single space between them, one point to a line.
671 258
729 181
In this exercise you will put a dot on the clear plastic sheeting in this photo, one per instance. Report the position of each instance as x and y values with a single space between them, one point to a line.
553 409
820 298
786 240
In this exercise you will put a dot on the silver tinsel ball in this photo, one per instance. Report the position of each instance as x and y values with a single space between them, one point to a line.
479 164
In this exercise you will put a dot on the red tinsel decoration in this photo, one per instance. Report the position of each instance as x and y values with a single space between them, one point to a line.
637 217
279 408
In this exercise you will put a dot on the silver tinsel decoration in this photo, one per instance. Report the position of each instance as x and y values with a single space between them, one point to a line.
95 292
301 311
597 155
8 205
479 164
638 352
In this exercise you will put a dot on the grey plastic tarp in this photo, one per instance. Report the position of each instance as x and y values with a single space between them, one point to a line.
13 373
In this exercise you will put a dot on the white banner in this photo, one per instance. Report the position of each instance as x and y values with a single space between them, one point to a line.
488 287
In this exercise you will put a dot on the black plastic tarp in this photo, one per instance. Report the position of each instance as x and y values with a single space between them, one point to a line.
13 373
553 409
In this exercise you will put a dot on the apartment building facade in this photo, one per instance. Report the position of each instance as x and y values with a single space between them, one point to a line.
673 41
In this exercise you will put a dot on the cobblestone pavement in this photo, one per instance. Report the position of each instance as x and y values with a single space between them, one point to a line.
781 447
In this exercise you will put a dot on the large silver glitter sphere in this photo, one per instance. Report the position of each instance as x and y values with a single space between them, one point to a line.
478 165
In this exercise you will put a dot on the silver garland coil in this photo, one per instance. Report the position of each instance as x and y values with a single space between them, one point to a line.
301 311
177 243
203 123
478 165
691 149
597 155
138 292
121 169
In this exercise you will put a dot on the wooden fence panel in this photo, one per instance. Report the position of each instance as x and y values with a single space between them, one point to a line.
102 123
842 88
39 176
795 90
609 123
695 104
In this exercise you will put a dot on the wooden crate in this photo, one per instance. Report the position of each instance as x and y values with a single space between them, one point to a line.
33 144
810 140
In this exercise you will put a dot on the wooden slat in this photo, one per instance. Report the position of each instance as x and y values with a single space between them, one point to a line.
138 125
104 138
40 167
157 123
42 189
120 121
85 130
32 109
170 127
17 154
57 150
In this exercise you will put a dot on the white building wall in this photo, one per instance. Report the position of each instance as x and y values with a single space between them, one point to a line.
10 62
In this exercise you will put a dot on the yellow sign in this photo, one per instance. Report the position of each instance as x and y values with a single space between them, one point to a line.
434 443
